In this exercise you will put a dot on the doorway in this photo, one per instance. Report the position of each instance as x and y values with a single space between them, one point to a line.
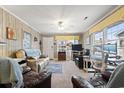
48 47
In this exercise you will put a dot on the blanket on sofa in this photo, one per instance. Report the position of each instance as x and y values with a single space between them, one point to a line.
10 72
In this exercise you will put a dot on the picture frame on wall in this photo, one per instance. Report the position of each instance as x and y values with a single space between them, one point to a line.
27 40
11 33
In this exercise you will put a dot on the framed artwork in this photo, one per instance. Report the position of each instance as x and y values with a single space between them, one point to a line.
27 40
11 33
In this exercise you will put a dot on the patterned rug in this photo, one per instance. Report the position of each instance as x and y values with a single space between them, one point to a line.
54 68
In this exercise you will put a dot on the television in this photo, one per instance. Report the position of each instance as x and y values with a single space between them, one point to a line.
77 47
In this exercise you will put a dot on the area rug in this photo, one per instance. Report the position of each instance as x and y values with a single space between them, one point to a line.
54 68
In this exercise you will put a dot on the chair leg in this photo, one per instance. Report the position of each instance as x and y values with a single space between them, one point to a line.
93 75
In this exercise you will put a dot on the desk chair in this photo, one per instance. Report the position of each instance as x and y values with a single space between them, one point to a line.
100 66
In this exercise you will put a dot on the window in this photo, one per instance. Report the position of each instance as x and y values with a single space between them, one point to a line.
76 42
110 48
111 32
97 45
111 37
27 40
98 37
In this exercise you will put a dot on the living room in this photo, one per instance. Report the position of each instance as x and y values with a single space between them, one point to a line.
57 54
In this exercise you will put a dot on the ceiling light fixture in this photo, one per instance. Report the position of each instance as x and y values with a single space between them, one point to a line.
60 25
85 17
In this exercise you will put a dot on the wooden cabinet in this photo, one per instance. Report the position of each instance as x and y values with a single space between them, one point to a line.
61 56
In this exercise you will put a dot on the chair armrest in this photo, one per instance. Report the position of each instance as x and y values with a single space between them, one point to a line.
106 75
46 83
33 65
79 82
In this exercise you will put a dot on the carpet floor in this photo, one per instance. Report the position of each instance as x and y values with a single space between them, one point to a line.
54 68
63 80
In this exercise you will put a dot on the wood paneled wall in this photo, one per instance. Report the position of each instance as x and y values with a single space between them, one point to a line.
8 20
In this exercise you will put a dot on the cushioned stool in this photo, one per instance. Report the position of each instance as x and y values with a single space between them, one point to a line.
37 80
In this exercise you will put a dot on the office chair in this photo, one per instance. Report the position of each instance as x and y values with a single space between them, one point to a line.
116 79
100 67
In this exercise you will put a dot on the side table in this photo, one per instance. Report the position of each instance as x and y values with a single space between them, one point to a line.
85 64
86 67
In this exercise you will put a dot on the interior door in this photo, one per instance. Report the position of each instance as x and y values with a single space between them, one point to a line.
48 47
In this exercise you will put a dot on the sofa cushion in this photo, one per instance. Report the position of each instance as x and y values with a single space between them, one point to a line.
20 54
36 53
